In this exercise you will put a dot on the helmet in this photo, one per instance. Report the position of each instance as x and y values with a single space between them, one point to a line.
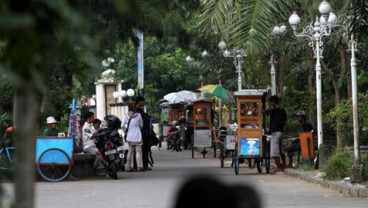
300 113
174 123
182 120
113 122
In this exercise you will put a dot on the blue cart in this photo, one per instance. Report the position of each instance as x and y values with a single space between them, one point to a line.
54 157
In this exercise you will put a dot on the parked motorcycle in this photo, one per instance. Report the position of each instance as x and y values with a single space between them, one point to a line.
109 142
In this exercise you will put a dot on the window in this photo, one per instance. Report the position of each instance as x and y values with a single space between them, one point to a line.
249 115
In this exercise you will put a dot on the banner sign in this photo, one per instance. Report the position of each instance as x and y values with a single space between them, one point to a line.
140 61
249 147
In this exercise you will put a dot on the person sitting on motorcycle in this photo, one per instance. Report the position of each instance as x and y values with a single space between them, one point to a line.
220 139
89 145
172 129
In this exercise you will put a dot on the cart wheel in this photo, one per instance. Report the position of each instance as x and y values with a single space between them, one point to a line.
250 164
236 165
236 160
214 150
54 165
268 165
259 165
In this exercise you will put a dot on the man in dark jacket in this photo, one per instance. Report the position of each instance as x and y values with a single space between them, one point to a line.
145 131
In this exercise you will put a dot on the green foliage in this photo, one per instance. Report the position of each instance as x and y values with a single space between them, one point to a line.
339 165
6 105
243 22
292 128
63 124
364 161
344 110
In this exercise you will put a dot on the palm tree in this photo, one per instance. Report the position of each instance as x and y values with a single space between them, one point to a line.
358 13
243 22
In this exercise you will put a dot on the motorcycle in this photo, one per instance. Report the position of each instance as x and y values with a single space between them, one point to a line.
109 142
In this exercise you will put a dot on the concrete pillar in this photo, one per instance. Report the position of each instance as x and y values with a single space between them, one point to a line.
100 100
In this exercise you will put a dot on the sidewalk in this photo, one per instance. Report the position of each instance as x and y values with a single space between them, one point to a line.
345 187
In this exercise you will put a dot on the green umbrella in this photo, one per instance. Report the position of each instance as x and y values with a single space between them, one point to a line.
218 91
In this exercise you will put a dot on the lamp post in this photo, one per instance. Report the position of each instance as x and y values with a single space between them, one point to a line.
238 55
120 108
189 59
357 169
321 27
205 55
276 32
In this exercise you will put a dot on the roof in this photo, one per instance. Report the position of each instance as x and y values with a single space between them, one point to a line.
255 92
203 99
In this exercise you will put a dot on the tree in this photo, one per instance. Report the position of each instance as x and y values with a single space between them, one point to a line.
31 32
242 22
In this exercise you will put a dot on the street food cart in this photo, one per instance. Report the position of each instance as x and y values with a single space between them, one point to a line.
164 124
176 111
251 140
202 116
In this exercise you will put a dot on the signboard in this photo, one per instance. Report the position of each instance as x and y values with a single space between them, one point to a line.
249 147
140 60
230 142
202 138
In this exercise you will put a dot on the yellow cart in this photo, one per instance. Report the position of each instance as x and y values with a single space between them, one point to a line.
251 141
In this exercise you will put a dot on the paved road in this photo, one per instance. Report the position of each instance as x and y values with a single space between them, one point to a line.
171 168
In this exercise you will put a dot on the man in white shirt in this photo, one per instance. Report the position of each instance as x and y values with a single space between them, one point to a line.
89 145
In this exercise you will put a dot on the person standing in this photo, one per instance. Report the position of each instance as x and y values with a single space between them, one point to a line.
278 119
51 129
132 124
89 145
145 131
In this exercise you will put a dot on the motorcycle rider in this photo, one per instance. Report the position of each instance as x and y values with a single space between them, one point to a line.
89 145
172 129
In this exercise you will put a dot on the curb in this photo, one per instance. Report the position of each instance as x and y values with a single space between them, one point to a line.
346 188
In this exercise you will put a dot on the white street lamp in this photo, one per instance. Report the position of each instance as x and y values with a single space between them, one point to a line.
238 55
276 32
188 59
122 93
222 45
115 95
315 33
130 92
205 54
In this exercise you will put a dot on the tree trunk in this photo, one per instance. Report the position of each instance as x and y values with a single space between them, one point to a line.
330 73
339 122
25 108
